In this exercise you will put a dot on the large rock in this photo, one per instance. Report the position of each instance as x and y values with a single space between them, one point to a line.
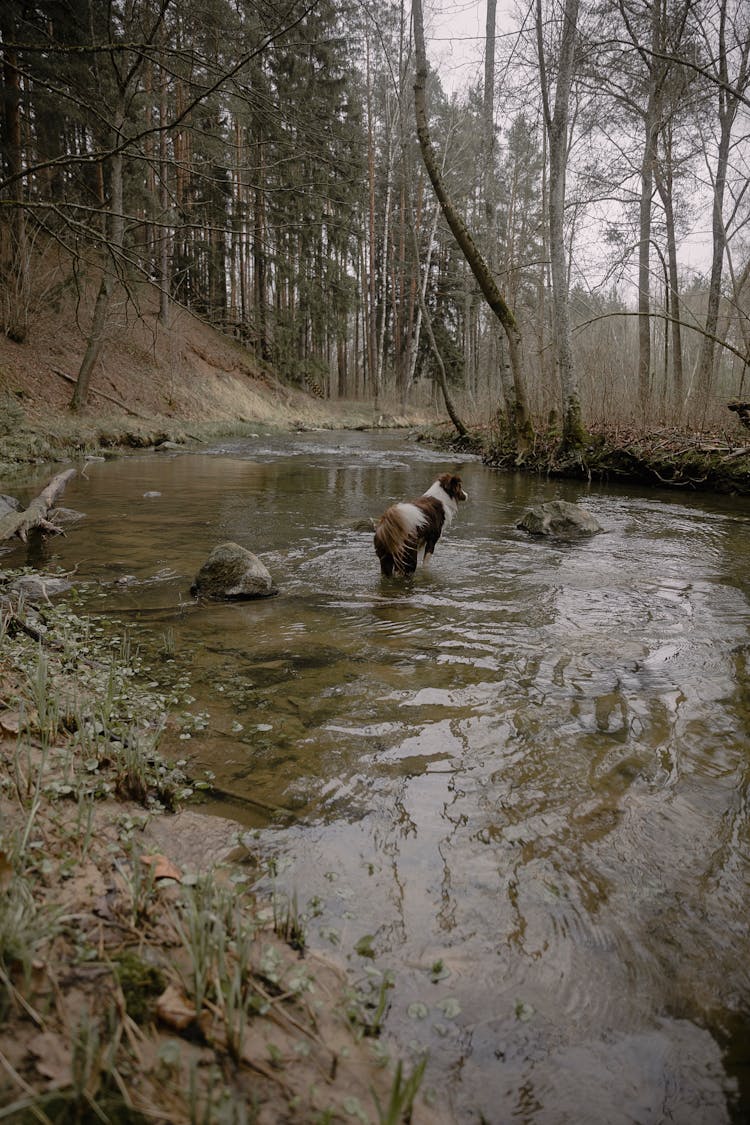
232 572
559 518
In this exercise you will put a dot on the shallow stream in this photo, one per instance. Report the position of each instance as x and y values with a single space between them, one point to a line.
518 781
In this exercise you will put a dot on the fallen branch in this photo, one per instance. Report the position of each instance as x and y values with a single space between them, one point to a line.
21 523
743 452
94 391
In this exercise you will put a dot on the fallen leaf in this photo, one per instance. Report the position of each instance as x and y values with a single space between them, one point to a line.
162 867
10 722
52 1057
174 1009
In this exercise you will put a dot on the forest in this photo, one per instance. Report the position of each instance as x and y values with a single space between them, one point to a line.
298 175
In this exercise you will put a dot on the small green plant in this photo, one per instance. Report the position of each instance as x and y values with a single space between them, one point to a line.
169 644
368 1006
403 1092
24 928
288 923
139 879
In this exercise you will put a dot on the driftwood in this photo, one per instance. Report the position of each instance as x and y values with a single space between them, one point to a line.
21 523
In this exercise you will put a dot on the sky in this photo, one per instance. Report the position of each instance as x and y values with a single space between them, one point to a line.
454 35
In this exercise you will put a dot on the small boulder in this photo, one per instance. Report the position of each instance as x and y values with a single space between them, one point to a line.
559 518
232 572
8 504
366 524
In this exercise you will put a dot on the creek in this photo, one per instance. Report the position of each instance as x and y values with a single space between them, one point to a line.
518 782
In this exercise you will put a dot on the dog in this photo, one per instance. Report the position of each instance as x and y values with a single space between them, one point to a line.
407 528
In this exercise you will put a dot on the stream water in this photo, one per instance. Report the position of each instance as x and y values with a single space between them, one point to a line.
517 781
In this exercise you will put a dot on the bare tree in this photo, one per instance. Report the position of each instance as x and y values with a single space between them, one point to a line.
556 121
732 46
521 421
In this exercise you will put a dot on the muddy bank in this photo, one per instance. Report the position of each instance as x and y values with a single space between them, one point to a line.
664 459
140 980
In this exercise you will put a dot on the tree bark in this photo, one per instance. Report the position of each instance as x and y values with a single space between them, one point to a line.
17 315
115 239
664 187
450 406
471 252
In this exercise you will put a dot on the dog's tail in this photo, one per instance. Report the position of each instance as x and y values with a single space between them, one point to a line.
395 543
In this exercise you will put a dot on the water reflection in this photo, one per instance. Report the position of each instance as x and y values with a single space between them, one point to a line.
526 766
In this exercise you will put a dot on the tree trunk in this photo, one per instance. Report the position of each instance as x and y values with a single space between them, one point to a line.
652 123
166 231
728 106
556 122
442 376
106 287
664 187
477 263
15 315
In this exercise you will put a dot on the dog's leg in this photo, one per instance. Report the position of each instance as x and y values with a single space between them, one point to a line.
429 548
407 563
386 566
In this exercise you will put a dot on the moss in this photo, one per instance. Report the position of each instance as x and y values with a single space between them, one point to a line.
140 982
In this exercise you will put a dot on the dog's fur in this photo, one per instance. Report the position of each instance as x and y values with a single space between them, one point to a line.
409 527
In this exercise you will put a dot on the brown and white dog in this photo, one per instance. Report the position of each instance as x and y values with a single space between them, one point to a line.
407 528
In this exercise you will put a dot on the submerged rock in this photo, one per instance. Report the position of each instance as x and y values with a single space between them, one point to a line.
66 515
229 572
560 518
39 587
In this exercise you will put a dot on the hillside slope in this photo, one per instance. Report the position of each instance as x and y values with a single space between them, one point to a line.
188 373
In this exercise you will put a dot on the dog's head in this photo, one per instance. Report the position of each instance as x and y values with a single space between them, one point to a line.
453 486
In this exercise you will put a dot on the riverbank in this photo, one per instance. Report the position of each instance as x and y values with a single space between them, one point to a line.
139 978
190 384
187 383
661 458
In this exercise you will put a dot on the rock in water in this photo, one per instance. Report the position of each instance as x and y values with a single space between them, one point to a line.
9 504
38 587
558 517
230 571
